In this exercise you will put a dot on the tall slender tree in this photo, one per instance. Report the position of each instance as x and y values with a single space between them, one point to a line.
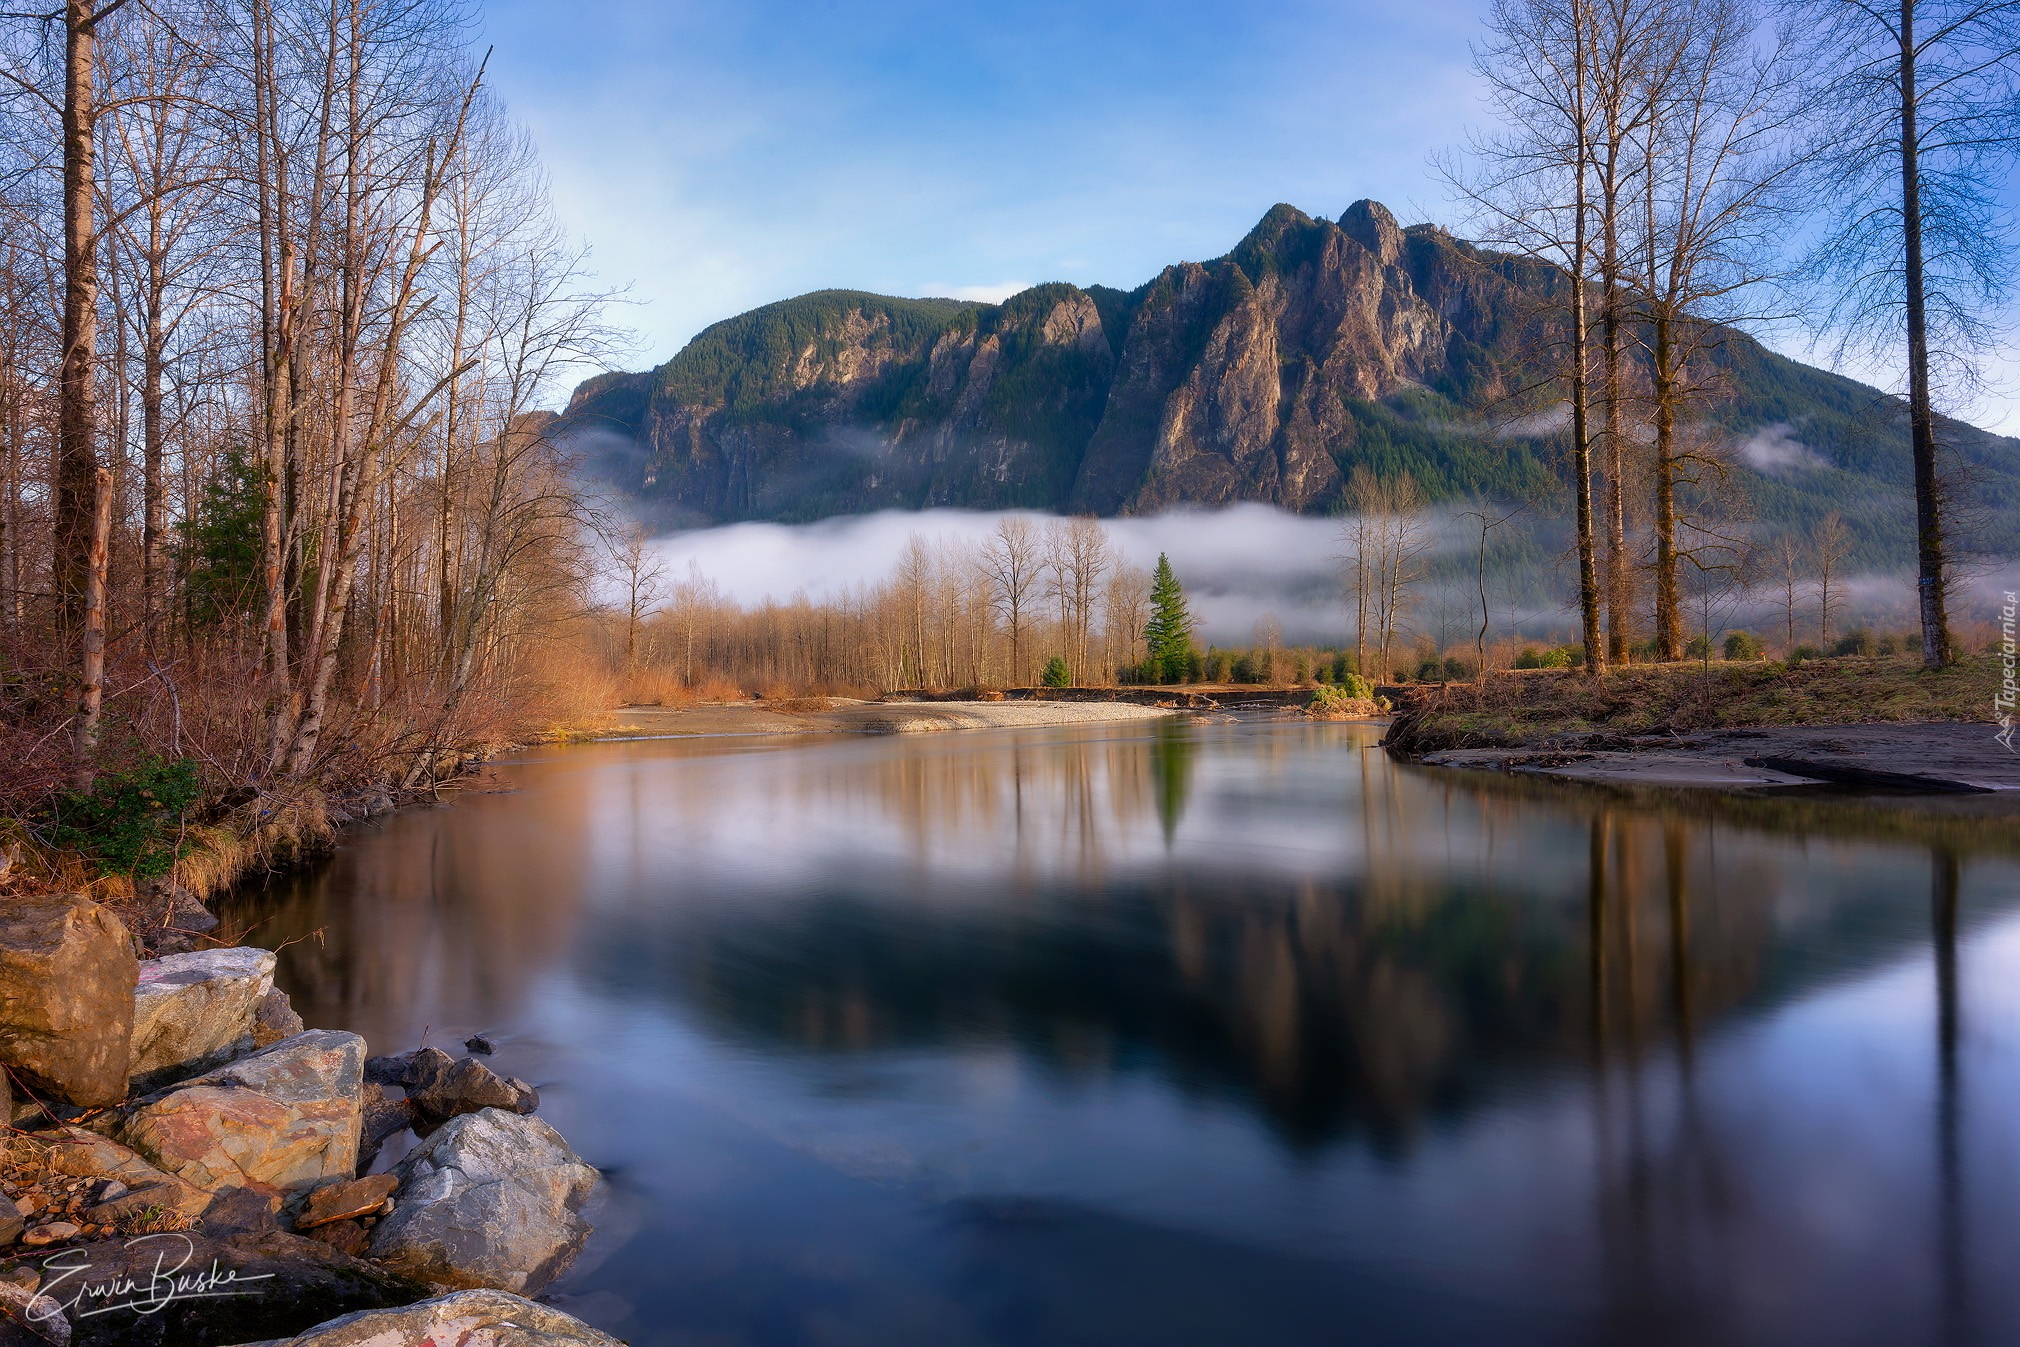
1917 118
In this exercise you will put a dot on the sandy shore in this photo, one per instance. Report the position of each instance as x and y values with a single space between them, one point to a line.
851 717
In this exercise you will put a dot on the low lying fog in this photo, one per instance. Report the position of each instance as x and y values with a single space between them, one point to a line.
1238 564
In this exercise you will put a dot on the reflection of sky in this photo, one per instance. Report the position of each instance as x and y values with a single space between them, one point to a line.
1776 1184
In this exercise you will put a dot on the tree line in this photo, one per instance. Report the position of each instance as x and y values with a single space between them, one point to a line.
281 298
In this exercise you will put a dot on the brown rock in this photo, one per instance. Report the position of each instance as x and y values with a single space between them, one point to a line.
56 1232
465 1087
349 1236
67 975
275 1019
95 1158
342 1201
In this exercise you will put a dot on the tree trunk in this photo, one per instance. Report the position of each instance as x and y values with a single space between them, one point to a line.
91 661
77 414
1668 602
1936 644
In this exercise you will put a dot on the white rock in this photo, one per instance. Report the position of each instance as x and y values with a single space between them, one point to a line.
492 1199
195 1011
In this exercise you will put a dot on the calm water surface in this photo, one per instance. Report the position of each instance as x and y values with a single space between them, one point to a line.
1211 1034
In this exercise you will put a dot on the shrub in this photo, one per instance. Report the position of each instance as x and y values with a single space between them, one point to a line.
1699 647
1457 670
1562 657
1352 685
1056 674
1744 645
131 821
1859 642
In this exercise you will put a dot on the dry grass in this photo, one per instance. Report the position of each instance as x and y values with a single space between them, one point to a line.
1548 707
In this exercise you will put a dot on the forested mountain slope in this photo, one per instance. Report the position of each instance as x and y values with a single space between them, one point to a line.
1265 375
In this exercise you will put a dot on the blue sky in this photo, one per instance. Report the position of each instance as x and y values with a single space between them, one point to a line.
719 155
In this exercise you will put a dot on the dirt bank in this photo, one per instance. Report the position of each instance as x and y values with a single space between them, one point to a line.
1942 757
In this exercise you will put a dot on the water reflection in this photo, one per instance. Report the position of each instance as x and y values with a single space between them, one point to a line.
1234 1003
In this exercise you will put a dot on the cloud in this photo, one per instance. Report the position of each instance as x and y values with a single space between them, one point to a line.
1775 450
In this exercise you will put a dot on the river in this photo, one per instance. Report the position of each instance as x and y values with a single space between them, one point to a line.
1217 1033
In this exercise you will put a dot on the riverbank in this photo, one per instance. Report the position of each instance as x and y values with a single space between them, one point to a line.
1870 724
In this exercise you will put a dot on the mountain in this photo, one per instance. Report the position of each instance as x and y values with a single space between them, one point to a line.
1264 375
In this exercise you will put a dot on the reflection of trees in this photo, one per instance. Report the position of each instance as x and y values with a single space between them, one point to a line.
415 915
1171 767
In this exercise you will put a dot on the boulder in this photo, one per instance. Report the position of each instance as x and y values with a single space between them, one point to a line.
470 1318
491 1199
67 975
30 1319
195 1011
275 1019
140 1185
287 1116
389 1070
443 1089
261 1285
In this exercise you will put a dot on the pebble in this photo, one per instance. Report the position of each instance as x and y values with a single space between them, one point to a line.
53 1233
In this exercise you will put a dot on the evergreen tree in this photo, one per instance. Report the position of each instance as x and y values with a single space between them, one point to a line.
1168 634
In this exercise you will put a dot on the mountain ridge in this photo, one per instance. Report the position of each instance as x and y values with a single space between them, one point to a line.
1266 374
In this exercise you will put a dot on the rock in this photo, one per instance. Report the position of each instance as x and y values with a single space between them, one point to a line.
388 1070
32 1318
195 1011
67 975
287 1116
267 1285
491 1199
132 1184
244 1211
11 1225
477 1318
480 1045
349 1235
342 1201
463 1087
274 1019
424 1067
56 1232
384 1115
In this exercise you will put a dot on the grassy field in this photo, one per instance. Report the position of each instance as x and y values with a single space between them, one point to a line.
1552 707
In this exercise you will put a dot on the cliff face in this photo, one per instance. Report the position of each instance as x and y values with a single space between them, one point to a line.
1265 375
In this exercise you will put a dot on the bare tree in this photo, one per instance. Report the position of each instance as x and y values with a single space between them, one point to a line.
1791 570
1530 187
1917 112
1013 562
1830 544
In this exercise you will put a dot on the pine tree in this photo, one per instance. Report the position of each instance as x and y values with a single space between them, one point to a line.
1168 634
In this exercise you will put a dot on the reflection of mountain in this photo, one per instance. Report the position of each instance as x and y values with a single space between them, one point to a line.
1262 913
1367 1002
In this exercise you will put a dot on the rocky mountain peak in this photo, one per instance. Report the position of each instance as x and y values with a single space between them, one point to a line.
1370 224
